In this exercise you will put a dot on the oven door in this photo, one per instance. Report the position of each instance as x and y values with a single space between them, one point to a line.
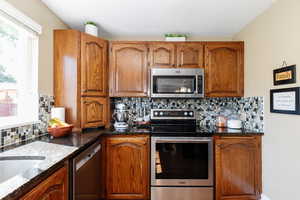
177 83
181 161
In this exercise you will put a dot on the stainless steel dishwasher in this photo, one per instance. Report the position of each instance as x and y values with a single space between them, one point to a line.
87 174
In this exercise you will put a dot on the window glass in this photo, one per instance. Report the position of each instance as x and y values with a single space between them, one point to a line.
18 73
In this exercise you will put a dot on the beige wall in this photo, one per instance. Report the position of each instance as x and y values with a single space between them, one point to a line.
270 38
36 10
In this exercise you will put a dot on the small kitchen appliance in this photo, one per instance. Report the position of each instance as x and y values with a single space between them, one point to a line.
120 116
234 121
181 160
177 83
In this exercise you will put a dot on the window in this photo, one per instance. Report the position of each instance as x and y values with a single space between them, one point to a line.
18 69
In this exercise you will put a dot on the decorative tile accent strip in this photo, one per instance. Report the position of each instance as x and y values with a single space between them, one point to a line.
250 109
18 134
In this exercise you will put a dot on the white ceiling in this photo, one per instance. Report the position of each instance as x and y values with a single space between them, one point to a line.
153 18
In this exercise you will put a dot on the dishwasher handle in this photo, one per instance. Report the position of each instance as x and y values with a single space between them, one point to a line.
86 158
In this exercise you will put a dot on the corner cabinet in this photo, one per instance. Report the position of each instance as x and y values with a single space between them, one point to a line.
128 70
224 69
54 187
238 168
127 167
81 78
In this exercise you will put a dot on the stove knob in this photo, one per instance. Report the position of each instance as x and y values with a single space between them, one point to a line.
161 113
185 113
191 113
155 113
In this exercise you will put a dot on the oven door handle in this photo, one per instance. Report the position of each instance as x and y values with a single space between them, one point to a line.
189 140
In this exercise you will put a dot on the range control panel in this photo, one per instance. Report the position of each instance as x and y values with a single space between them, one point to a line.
172 114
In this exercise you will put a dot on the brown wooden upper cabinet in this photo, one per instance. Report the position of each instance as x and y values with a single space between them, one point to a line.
162 54
223 62
170 54
94 112
128 70
80 77
93 66
190 55
127 165
224 69
238 168
54 187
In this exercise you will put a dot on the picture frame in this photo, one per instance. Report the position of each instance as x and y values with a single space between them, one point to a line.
284 75
285 101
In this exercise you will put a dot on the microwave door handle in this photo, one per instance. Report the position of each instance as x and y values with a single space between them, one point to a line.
196 86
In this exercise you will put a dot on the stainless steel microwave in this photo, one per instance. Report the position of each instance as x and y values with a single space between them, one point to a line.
177 82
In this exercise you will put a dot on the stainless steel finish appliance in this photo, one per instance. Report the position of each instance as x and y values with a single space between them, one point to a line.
172 114
177 82
120 116
181 163
86 179
182 193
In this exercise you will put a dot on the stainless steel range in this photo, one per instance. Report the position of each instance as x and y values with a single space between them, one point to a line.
181 163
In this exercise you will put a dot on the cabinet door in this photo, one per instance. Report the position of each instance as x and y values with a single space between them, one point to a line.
94 111
93 66
190 55
53 188
238 168
162 55
129 71
224 68
127 167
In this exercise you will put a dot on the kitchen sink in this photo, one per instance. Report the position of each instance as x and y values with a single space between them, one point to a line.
11 166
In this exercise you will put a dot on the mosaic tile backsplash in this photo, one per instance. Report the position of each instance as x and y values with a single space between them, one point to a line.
18 134
250 109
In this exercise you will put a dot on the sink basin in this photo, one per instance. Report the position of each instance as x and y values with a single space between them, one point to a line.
11 166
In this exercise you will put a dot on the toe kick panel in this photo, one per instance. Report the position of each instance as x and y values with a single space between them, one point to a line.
182 193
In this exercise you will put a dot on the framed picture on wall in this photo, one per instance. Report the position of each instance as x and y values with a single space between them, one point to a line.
284 75
285 101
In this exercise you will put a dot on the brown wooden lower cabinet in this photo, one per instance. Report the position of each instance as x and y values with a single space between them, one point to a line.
54 187
238 168
127 167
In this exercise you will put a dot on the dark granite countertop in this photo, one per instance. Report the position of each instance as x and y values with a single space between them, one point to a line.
227 131
200 132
